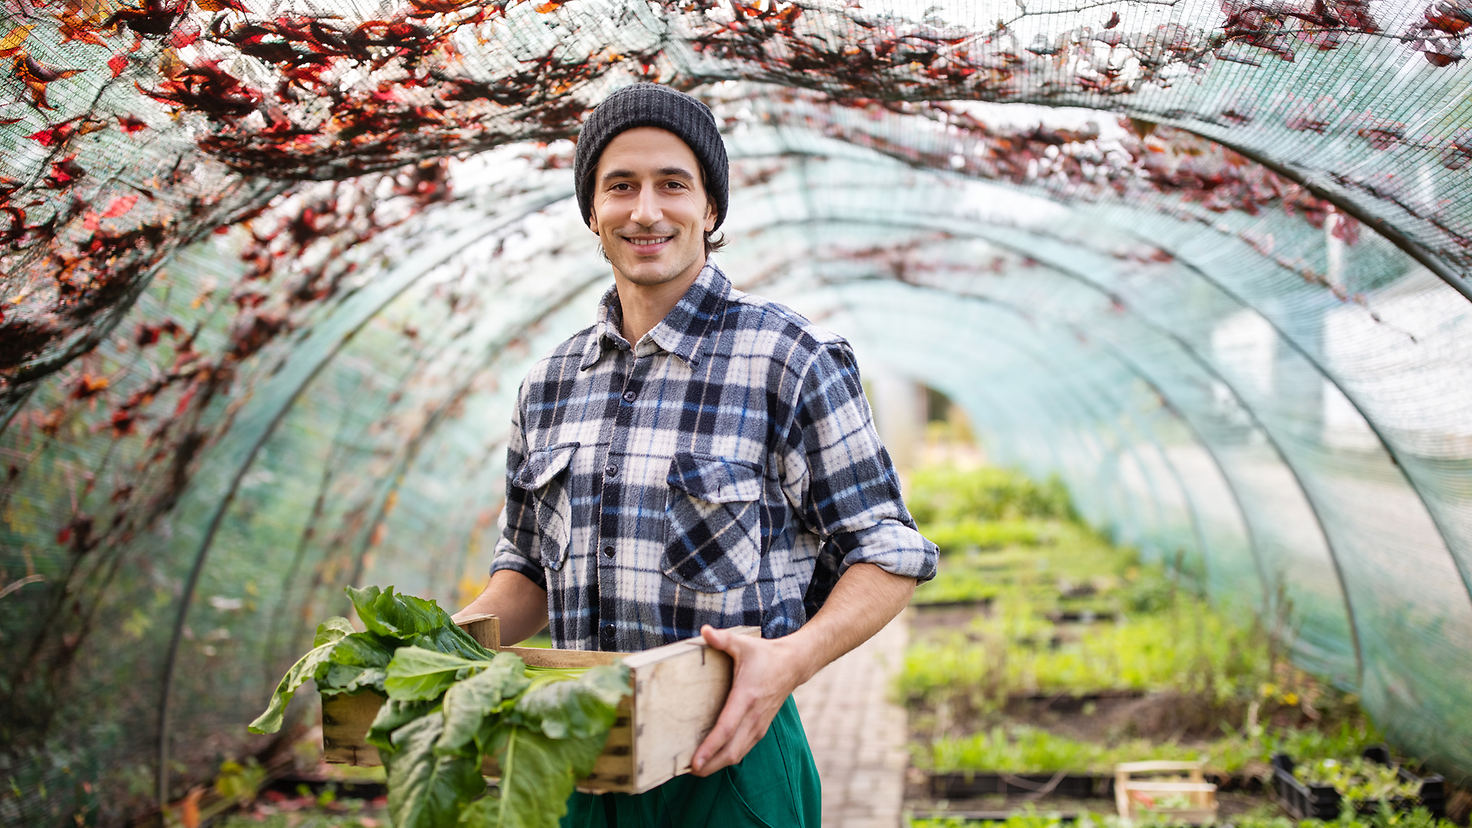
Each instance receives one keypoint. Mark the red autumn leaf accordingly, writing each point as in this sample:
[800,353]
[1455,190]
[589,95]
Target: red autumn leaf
[120,205]
[117,63]
[184,34]
[1113,21]
[122,422]
[131,123]
[64,535]
[65,173]
[90,222]
[50,135]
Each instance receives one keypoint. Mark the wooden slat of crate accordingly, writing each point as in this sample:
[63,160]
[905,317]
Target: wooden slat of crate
[1201,792]
[678,692]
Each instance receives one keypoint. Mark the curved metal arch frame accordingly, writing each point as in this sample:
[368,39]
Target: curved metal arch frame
[416,271]
[1204,364]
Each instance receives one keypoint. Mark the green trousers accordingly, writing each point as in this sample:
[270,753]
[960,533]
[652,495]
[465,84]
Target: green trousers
[775,786]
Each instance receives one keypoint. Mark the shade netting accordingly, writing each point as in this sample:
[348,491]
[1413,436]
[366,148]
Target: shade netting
[273,270]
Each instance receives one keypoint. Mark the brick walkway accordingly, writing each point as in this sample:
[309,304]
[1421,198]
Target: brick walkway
[858,737]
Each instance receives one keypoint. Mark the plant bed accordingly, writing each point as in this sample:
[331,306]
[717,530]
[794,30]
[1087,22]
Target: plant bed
[972,784]
[979,604]
[1083,616]
[960,784]
[1309,800]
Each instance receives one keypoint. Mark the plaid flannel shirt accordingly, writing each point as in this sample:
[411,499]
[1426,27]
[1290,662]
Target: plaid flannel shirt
[724,470]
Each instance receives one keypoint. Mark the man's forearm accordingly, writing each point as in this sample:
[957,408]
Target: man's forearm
[516,600]
[864,600]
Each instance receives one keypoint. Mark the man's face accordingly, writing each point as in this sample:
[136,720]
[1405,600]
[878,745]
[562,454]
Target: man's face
[650,208]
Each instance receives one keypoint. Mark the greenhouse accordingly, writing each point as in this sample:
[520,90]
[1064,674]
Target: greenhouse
[1164,305]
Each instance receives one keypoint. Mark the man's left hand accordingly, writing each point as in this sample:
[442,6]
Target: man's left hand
[766,673]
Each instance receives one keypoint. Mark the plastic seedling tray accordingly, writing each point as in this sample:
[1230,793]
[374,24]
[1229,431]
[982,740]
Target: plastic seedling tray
[1310,801]
[678,692]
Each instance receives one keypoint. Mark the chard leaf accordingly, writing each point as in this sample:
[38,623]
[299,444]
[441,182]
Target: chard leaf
[537,776]
[425,790]
[393,715]
[344,679]
[329,634]
[469,702]
[333,629]
[452,640]
[360,660]
[397,616]
[574,708]
[417,673]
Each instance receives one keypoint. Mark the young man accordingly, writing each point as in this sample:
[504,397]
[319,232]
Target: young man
[699,459]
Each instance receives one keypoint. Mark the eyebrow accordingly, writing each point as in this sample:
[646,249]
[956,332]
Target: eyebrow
[679,172]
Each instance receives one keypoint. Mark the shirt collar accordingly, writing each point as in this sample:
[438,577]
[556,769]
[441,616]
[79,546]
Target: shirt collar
[681,332]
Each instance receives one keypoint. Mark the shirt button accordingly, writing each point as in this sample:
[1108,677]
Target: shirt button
[611,471]
[607,632]
[630,396]
[608,551]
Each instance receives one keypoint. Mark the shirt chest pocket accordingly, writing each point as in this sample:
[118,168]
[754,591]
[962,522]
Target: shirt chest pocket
[713,531]
[544,475]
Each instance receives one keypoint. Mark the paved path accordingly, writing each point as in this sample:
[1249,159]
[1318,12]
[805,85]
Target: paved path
[858,737]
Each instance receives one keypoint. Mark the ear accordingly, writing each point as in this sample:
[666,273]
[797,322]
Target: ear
[593,220]
[710,215]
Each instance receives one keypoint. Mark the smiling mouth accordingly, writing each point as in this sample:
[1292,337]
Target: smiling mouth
[649,242]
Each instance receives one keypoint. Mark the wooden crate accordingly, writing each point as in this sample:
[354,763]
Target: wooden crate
[1132,795]
[678,692]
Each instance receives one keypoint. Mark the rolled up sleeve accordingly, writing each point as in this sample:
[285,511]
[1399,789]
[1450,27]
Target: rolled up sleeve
[844,479]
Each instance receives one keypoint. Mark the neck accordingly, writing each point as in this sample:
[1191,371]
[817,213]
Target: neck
[645,305]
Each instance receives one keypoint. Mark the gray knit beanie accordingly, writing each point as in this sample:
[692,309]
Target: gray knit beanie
[652,105]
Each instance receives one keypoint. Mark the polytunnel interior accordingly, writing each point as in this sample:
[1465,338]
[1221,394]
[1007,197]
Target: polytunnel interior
[272,276]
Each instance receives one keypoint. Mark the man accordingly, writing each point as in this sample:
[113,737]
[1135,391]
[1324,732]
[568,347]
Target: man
[699,459]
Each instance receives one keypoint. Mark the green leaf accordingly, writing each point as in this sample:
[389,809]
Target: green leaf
[417,673]
[537,776]
[333,629]
[577,707]
[397,616]
[393,715]
[451,640]
[469,702]
[360,660]
[426,790]
[341,678]
[329,634]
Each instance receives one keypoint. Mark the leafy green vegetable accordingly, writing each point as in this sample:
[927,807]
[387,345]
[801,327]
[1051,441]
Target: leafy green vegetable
[468,703]
[427,789]
[573,708]
[394,714]
[413,620]
[538,775]
[357,663]
[417,673]
[451,703]
[329,633]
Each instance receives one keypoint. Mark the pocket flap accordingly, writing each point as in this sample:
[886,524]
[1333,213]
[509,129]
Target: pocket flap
[715,479]
[539,467]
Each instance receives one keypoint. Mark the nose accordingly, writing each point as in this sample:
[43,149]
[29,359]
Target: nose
[646,208]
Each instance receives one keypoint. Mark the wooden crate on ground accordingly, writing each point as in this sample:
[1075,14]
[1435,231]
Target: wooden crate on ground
[678,692]
[1149,793]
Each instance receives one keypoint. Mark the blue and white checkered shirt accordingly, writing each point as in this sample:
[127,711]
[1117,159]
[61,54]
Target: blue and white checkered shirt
[724,470]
